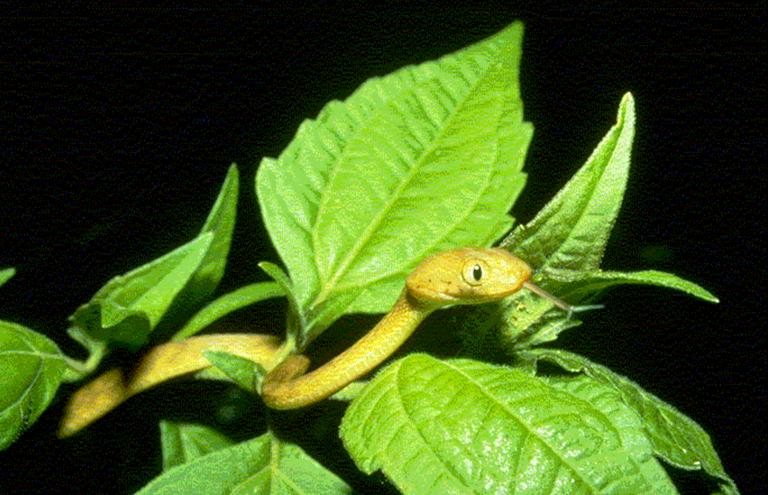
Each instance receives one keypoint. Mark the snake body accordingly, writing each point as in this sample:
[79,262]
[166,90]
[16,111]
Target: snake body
[459,276]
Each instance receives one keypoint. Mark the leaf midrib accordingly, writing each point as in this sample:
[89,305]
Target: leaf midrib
[362,240]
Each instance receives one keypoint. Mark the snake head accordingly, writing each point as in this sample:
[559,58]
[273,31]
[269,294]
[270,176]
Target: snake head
[467,276]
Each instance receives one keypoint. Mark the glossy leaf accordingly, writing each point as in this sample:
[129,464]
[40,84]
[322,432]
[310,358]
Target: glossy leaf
[264,465]
[226,304]
[398,171]
[461,426]
[185,442]
[31,369]
[129,306]
[675,437]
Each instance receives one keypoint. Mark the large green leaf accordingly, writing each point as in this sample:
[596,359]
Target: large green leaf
[421,160]
[675,437]
[600,280]
[264,465]
[185,442]
[460,426]
[31,369]
[129,306]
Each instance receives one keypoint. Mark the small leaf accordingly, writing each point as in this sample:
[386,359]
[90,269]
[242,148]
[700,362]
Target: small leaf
[220,224]
[222,306]
[246,373]
[675,437]
[462,426]
[129,306]
[6,274]
[600,280]
[31,369]
[185,442]
[398,171]
[569,234]
[264,465]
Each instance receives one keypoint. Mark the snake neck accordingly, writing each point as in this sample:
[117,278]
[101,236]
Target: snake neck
[287,387]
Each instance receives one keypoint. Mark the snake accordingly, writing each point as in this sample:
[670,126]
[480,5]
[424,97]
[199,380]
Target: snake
[455,277]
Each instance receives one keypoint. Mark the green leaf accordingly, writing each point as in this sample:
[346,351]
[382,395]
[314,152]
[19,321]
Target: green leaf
[222,306]
[675,437]
[296,323]
[569,234]
[31,369]
[185,442]
[129,306]
[600,280]
[221,224]
[6,274]
[244,372]
[463,426]
[431,153]
[264,465]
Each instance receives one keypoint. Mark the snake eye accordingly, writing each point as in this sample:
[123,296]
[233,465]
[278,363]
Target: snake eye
[473,272]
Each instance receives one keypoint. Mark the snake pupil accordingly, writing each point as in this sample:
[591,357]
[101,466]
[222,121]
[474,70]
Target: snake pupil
[477,273]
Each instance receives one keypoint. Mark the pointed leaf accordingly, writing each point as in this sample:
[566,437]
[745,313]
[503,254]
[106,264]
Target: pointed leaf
[593,282]
[228,303]
[31,369]
[221,224]
[675,437]
[569,234]
[6,274]
[185,442]
[264,465]
[463,426]
[424,159]
[129,306]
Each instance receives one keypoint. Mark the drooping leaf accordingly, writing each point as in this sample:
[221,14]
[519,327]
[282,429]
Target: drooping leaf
[675,437]
[31,369]
[418,161]
[262,466]
[222,306]
[461,426]
[129,306]
[6,274]
[185,442]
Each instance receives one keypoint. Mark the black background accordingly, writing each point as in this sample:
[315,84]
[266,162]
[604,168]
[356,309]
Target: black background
[117,127]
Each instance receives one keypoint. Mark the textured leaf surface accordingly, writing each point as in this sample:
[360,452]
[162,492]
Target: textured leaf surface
[185,442]
[222,306]
[263,465]
[401,169]
[675,437]
[31,369]
[244,372]
[129,306]
[569,235]
[6,274]
[460,426]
